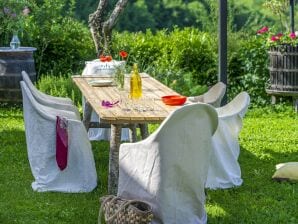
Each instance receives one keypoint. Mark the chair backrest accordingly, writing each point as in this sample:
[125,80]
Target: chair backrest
[47,100]
[238,105]
[42,97]
[36,93]
[215,94]
[40,130]
[183,143]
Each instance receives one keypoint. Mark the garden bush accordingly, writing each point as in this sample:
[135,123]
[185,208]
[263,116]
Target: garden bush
[248,68]
[61,86]
[187,60]
[184,59]
[63,43]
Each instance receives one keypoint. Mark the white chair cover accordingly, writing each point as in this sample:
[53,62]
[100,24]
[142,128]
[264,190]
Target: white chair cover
[101,68]
[40,128]
[41,95]
[213,96]
[48,100]
[224,170]
[168,169]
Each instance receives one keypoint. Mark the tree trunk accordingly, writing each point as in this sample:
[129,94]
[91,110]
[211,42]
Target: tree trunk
[101,30]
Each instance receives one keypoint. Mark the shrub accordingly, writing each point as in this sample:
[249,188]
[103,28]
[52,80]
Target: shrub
[60,86]
[248,69]
[63,44]
[184,59]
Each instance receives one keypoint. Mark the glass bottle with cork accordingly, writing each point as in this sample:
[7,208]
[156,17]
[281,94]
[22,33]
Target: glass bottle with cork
[135,83]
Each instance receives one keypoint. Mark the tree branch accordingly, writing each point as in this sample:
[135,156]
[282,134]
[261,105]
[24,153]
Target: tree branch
[101,30]
[111,22]
[96,23]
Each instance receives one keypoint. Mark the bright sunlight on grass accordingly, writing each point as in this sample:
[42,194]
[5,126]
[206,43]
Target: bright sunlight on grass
[267,138]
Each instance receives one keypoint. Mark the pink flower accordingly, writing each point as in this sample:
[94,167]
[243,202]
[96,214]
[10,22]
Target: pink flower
[279,35]
[274,38]
[263,30]
[292,35]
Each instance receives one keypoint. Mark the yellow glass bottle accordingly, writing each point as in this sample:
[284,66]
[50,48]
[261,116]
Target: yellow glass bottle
[135,83]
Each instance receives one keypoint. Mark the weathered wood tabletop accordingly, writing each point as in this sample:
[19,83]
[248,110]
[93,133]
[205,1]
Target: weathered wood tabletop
[149,109]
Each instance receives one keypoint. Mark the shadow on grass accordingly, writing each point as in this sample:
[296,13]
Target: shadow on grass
[259,199]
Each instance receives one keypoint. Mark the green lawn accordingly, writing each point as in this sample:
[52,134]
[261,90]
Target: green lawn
[269,136]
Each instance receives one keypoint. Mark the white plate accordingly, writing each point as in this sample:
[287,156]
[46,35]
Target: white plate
[100,82]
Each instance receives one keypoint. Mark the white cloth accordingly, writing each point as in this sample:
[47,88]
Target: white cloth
[99,68]
[213,96]
[40,128]
[224,170]
[50,101]
[43,96]
[168,169]
[96,67]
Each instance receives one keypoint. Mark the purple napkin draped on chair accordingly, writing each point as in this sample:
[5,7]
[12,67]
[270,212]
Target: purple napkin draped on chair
[61,142]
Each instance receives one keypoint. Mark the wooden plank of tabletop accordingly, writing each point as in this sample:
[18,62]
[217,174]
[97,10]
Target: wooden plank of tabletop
[152,91]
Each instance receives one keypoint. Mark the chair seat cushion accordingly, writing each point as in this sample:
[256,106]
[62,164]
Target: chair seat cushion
[286,171]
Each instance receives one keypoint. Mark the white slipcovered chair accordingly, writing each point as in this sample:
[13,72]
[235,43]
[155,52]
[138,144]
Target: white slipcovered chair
[60,103]
[40,129]
[224,170]
[213,96]
[99,68]
[168,169]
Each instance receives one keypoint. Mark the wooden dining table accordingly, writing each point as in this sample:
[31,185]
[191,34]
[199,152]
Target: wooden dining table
[116,110]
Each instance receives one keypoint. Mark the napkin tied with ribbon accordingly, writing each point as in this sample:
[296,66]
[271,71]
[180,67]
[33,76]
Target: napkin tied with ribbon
[61,142]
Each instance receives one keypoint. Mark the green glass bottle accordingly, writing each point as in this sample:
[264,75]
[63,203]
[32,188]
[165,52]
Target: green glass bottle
[135,83]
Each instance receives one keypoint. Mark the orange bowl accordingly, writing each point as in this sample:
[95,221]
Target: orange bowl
[173,100]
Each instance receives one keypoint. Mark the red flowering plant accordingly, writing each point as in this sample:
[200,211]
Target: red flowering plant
[108,58]
[273,37]
[277,38]
[119,67]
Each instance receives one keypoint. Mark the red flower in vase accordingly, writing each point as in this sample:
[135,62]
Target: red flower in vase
[123,54]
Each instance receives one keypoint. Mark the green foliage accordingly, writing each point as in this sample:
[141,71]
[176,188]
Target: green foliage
[269,136]
[155,15]
[63,44]
[13,14]
[279,8]
[184,59]
[140,15]
[62,86]
[248,69]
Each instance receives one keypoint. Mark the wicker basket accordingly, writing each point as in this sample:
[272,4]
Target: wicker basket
[283,68]
[121,211]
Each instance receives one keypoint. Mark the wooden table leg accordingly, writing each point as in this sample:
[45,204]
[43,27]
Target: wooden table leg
[87,115]
[132,133]
[144,130]
[114,158]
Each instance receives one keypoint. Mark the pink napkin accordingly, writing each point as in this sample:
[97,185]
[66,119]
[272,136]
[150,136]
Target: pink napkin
[61,142]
